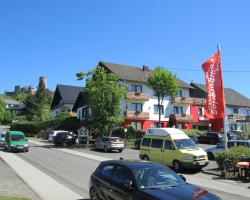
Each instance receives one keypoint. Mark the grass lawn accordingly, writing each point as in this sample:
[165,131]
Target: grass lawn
[12,198]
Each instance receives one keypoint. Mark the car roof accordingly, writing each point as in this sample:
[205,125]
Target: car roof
[16,132]
[134,164]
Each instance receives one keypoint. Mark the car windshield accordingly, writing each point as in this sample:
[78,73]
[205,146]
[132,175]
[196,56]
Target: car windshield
[153,178]
[185,144]
[17,137]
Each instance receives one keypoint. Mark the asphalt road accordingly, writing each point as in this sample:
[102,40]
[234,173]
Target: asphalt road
[74,172]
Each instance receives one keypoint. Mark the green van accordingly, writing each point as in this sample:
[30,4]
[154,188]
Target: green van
[172,147]
[16,141]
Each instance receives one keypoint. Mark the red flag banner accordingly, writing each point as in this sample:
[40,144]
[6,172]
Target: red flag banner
[215,88]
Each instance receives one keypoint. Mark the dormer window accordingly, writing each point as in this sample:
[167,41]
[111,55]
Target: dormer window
[136,88]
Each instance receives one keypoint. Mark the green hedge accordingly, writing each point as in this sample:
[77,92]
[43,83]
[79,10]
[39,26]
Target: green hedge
[32,128]
[193,132]
[235,154]
[130,134]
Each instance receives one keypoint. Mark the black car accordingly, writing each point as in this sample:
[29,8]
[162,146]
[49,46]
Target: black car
[137,143]
[64,139]
[211,138]
[128,179]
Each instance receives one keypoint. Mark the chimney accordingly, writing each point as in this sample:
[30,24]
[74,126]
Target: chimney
[145,68]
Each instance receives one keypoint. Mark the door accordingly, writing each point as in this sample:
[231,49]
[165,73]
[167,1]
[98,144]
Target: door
[169,153]
[156,150]
[119,190]
[106,175]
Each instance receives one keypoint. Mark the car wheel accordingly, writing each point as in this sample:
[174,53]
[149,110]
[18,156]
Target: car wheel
[145,158]
[106,149]
[176,166]
[64,144]
[120,150]
[210,156]
[94,194]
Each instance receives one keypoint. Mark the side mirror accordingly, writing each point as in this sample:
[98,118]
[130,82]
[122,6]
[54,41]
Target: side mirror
[182,177]
[129,185]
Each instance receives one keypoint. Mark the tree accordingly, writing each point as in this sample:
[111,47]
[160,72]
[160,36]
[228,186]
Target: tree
[2,110]
[105,95]
[38,105]
[164,84]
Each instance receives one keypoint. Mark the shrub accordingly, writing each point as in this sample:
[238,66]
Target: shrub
[32,128]
[235,154]
[193,132]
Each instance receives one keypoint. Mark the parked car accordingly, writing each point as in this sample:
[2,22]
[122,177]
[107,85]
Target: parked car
[2,138]
[194,138]
[52,134]
[16,141]
[64,139]
[211,138]
[109,144]
[137,143]
[172,147]
[211,152]
[127,179]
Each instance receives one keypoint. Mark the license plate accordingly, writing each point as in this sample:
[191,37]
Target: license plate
[20,147]
[201,163]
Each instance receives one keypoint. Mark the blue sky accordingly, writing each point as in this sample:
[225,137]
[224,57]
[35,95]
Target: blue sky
[57,38]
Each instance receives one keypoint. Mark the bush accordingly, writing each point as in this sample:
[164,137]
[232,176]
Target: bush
[32,128]
[193,132]
[235,154]
[130,134]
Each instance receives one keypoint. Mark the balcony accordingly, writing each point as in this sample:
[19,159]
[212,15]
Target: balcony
[189,101]
[203,119]
[138,96]
[183,118]
[237,117]
[136,115]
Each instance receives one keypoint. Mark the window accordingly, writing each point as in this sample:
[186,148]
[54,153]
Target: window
[154,93]
[156,143]
[179,126]
[178,110]
[121,174]
[179,93]
[146,142]
[235,111]
[107,171]
[137,125]
[156,109]
[168,145]
[136,107]
[136,88]
[200,112]
[248,112]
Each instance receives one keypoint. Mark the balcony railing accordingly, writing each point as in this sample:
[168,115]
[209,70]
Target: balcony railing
[189,101]
[237,117]
[183,118]
[136,115]
[138,96]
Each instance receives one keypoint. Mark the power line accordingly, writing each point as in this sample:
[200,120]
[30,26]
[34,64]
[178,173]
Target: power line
[199,70]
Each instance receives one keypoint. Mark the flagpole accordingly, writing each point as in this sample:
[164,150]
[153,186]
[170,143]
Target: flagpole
[225,118]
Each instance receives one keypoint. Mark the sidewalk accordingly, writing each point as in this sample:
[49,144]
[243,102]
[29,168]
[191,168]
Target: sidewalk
[12,185]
